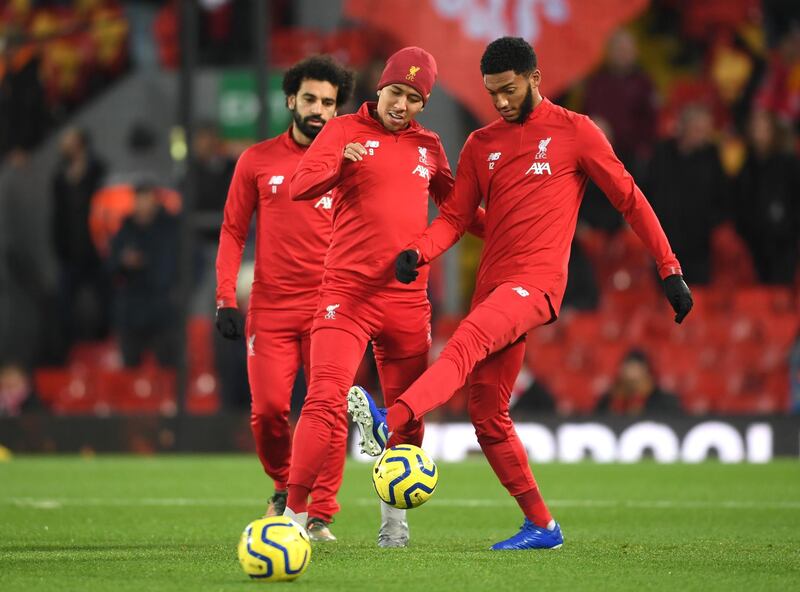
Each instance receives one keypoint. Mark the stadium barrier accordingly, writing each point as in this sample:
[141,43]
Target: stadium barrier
[547,439]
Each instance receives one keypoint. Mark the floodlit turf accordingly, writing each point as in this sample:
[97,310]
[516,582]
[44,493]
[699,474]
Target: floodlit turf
[172,523]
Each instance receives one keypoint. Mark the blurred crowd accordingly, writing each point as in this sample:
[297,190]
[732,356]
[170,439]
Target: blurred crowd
[701,101]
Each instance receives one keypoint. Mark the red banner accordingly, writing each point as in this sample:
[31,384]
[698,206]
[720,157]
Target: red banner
[569,36]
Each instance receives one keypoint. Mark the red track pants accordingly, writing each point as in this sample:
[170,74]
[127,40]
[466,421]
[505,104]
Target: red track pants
[488,347]
[277,343]
[398,324]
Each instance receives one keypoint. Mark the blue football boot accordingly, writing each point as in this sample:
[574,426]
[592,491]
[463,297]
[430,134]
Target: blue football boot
[531,536]
[370,419]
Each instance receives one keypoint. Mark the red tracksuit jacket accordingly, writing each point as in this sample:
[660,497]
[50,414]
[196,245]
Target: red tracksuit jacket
[532,176]
[291,238]
[382,201]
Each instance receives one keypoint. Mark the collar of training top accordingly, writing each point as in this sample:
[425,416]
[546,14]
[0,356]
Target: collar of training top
[538,111]
[291,143]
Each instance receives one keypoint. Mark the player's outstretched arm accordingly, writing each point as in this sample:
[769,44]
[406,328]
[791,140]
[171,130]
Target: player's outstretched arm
[321,166]
[457,212]
[598,160]
[239,207]
[442,186]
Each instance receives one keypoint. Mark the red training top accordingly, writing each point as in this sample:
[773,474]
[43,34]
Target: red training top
[291,238]
[532,176]
[381,201]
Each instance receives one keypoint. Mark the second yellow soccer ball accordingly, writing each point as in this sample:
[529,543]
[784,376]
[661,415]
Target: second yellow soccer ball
[405,477]
[275,549]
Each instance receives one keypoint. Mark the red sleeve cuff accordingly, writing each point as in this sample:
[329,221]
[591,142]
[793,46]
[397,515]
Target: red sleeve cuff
[668,270]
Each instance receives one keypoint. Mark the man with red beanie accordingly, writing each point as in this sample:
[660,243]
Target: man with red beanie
[291,241]
[384,165]
[531,167]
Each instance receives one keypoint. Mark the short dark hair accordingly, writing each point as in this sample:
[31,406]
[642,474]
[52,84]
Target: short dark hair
[320,67]
[508,53]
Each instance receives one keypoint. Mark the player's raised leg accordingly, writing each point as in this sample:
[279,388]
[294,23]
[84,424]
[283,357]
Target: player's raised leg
[506,314]
[489,395]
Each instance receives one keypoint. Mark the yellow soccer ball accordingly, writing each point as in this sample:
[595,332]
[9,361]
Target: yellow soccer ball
[274,549]
[404,476]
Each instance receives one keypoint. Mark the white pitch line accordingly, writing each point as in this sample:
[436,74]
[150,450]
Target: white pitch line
[56,503]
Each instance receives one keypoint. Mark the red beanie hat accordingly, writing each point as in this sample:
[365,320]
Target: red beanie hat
[412,66]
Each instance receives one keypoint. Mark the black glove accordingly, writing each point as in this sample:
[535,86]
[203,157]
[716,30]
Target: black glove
[405,267]
[679,296]
[230,323]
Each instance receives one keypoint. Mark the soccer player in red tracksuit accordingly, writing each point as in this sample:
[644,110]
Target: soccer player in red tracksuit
[531,166]
[384,166]
[291,241]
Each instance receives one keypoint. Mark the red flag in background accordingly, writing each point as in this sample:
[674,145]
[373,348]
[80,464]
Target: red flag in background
[569,36]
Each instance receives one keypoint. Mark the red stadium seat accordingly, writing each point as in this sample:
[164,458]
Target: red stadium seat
[140,390]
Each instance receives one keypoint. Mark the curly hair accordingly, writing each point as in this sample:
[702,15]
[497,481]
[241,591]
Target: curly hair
[320,67]
[508,53]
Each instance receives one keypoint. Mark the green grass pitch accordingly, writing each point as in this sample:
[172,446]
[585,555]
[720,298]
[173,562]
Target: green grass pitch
[171,523]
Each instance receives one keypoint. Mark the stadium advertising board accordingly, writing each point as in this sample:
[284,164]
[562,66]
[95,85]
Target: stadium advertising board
[729,441]
[547,439]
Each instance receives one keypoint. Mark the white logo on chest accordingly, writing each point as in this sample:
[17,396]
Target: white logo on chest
[423,154]
[543,148]
[422,171]
[370,145]
[325,202]
[539,168]
[274,181]
[493,158]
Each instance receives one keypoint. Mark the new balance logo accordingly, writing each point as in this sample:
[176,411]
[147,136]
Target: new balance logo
[274,181]
[371,145]
[539,168]
[251,345]
[331,314]
[325,202]
[493,158]
[521,291]
[543,148]
[422,172]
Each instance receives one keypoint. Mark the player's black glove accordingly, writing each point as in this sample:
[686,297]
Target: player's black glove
[405,267]
[230,323]
[679,296]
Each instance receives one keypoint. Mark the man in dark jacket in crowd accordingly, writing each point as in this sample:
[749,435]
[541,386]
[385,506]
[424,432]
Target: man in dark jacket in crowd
[144,261]
[685,184]
[78,176]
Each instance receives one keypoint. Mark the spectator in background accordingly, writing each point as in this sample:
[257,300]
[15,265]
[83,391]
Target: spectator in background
[780,92]
[582,291]
[23,114]
[596,210]
[213,169]
[635,390]
[686,186]
[622,94]
[27,274]
[144,261]
[79,174]
[767,200]
[16,392]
